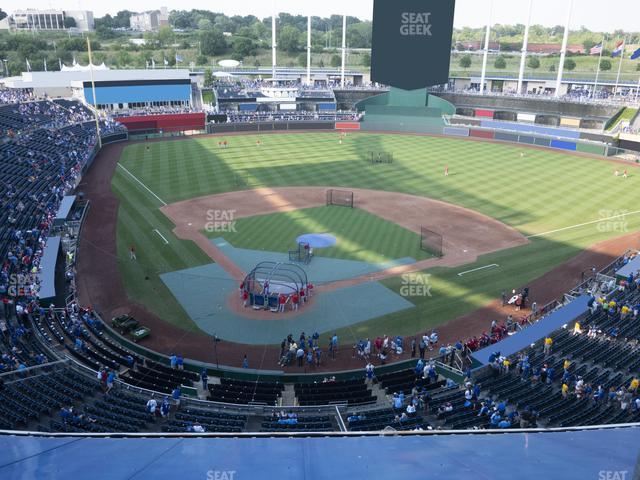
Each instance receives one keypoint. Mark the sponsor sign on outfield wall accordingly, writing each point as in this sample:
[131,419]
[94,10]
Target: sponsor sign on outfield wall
[411,46]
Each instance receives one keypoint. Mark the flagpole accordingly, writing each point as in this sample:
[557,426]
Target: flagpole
[273,45]
[309,50]
[344,49]
[624,44]
[563,51]
[93,91]
[595,85]
[486,50]
[524,49]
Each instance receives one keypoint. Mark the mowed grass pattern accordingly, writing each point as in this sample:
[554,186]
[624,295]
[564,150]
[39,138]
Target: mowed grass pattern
[360,235]
[542,191]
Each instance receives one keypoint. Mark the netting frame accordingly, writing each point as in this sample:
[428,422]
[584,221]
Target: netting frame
[431,241]
[380,158]
[342,198]
[242,179]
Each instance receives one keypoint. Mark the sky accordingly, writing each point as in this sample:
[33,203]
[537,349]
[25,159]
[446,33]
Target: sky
[596,15]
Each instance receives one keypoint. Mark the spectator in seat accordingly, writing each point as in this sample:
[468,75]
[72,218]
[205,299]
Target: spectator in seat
[176,394]
[204,378]
[152,405]
[165,407]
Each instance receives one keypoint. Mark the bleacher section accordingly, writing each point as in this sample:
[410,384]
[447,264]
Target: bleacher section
[352,392]
[243,392]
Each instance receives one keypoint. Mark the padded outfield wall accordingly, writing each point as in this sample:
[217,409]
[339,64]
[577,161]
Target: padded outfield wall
[168,123]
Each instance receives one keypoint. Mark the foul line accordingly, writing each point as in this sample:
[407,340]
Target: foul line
[142,184]
[479,268]
[583,224]
[161,236]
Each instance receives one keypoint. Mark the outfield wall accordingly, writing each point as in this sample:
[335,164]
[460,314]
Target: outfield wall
[537,139]
[524,104]
[169,122]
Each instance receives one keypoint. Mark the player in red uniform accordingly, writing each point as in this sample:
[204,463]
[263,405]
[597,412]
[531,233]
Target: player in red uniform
[245,298]
[282,300]
[295,300]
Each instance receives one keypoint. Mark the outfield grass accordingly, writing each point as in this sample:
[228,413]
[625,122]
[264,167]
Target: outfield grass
[544,191]
[360,235]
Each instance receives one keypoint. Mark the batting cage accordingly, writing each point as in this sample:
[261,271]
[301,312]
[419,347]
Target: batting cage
[302,254]
[269,281]
[378,158]
[343,198]
[430,241]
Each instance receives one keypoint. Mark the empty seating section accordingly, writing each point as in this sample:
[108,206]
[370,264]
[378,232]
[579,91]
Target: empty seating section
[153,376]
[212,421]
[244,392]
[353,392]
[300,423]
[405,380]
[26,399]
[379,419]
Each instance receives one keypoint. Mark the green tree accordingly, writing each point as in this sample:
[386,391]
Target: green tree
[302,60]
[465,61]
[212,42]
[204,24]
[552,68]
[321,63]
[124,58]
[289,39]
[336,61]
[165,36]
[533,63]
[208,76]
[500,62]
[605,64]
[366,60]
[569,64]
[69,22]
[244,47]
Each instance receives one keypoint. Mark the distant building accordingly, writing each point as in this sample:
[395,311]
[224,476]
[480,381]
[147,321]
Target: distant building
[149,21]
[48,20]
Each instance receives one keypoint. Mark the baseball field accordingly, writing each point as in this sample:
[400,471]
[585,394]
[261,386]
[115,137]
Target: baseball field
[558,205]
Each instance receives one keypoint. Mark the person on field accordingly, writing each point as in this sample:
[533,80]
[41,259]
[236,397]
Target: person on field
[282,300]
[446,170]
[132,252]
[245,298]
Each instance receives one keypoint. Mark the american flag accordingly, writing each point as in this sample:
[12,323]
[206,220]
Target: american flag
[596,49]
